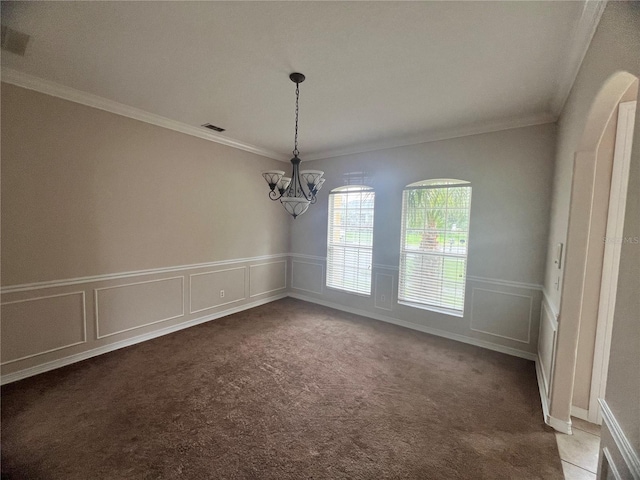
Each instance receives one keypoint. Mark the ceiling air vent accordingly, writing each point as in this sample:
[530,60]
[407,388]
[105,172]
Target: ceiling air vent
[14,41]
[213,127]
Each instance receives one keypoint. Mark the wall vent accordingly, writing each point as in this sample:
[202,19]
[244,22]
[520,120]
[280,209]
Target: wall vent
[213,127]
[14,41]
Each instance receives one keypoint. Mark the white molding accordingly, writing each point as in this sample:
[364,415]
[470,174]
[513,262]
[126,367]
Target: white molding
[308,257]
[557,424]
[629,455]
[506,283]
[612,253]
[375,287]
[541,387]
[45,367]
[244,284]
[48,87]
[528,340]
[611,466]
[581,413]
[437,135]
[293,262]
[545,380]
[31,82]
[421,328]
[135,273]
[580,41]
[552,308]
[268,291]
[84,324]
[474,278]
[96,308]
[553,321]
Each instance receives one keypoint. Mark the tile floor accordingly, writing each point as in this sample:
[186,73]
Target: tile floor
[579,452]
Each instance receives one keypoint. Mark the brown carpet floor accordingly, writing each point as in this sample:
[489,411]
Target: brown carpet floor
[289,390]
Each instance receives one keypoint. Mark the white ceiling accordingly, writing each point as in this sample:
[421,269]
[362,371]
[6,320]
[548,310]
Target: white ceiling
[378,73]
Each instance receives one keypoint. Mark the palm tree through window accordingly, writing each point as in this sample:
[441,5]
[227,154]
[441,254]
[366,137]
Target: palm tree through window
[435,241]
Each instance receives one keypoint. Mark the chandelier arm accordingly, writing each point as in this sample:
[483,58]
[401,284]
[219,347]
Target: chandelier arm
[273,195]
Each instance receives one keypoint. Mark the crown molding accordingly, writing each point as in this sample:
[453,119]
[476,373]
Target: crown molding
[585,29]
[438,135]
[31,82]
[48,87]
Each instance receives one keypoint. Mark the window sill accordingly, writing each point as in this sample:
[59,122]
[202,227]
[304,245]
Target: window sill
[444,311]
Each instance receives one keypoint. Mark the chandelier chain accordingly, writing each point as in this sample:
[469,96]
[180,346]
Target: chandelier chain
[295,148]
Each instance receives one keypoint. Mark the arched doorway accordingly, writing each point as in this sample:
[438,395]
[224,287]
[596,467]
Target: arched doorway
[586,309]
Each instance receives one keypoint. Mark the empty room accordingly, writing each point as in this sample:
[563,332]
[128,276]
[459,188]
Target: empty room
[320,240]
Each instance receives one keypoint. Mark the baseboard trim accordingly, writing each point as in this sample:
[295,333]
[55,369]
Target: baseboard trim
[541,388]
[62,362]
[628,453]
[421,328]
[559,425]
[555,423]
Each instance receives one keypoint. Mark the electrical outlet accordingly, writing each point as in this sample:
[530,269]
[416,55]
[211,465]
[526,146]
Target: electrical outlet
[383,298]
[221,293]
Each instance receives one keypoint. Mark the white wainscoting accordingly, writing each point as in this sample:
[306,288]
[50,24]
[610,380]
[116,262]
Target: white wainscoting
[42,324]
[121,308]
[501,314]
[127,308]
[498,312]
[215,289]
[545,363]
[307,276]
[383,291]
[268,277]
[547,343]
[50,324]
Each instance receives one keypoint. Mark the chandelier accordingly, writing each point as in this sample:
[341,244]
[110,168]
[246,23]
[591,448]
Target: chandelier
[299,191]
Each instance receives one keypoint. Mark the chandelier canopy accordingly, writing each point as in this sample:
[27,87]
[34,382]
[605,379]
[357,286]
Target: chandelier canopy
[299,191]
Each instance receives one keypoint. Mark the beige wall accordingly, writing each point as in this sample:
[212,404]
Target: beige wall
[615,47]
[510,172]
[87,193]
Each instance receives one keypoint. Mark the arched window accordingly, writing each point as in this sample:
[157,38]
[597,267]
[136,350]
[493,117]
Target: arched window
[434,244]
[350,239]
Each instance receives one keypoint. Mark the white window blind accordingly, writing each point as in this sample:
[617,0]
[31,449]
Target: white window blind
[350,239]
[434,244]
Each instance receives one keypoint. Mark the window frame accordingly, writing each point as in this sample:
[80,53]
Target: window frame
[331,244]
[440,183]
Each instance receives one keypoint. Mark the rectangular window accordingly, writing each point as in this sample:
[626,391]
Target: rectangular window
[435,240]
[350,239]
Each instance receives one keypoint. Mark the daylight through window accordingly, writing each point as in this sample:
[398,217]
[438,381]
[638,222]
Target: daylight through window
[434,244]
[350,239]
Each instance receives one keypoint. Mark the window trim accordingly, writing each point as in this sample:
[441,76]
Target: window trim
[424,185]
[345,190]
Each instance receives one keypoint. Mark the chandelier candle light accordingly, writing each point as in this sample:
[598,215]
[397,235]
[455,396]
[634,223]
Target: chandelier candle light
[299,191]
